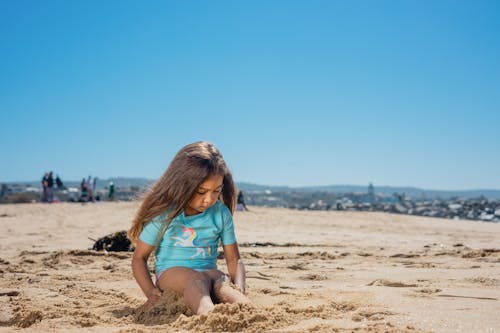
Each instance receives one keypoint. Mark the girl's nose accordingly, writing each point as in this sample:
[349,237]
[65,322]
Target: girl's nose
[207,198]
[210,197]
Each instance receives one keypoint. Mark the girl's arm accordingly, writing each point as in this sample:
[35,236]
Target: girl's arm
[232,255]
[141,272]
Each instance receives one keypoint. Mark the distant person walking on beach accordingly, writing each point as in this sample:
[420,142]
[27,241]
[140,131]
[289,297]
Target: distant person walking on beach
[45,184]
[182,218]
[240,204]
[83,191]
[50,187]
[111,193]
[90,188]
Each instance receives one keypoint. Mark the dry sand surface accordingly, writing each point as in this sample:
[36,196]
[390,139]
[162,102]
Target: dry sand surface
[306,272]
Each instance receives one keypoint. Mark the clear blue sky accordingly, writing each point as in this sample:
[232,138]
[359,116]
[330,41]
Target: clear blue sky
[401,93]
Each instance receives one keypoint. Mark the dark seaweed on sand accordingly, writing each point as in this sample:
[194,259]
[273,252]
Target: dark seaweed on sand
[115,242]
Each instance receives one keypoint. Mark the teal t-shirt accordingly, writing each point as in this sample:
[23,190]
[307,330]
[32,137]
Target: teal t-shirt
[191,241]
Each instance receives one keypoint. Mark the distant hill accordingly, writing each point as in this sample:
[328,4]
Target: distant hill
[385,190]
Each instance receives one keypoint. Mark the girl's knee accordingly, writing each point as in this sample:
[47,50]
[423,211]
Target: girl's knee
[179,278]
[225,292]
[197,293]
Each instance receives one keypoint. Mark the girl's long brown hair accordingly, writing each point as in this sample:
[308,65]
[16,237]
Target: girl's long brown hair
[189,168]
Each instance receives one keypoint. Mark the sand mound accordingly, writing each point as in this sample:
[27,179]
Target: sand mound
[170,307]
[251,318]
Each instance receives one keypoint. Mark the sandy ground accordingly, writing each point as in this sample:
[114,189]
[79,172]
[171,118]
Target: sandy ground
[306,272]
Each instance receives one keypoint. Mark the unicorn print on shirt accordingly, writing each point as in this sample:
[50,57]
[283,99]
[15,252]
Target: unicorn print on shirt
[190,239]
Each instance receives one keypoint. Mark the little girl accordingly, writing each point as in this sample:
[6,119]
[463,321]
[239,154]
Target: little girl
[182,218]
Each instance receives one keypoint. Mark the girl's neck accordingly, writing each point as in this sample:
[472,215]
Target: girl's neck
[188,211]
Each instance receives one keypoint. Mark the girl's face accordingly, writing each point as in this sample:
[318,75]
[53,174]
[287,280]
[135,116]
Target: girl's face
[205,196]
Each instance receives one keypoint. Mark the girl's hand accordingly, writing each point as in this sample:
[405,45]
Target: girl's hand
[153,297]
[240,276]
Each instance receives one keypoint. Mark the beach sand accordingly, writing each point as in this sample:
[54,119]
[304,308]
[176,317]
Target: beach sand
[306,272]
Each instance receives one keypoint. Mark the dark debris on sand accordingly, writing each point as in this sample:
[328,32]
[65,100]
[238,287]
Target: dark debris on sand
[115,242]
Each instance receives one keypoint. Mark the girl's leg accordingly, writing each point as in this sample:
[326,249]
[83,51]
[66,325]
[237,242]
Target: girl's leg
[194,285]
[223,290]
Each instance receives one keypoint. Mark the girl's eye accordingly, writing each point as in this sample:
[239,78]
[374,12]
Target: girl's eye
[205,192]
